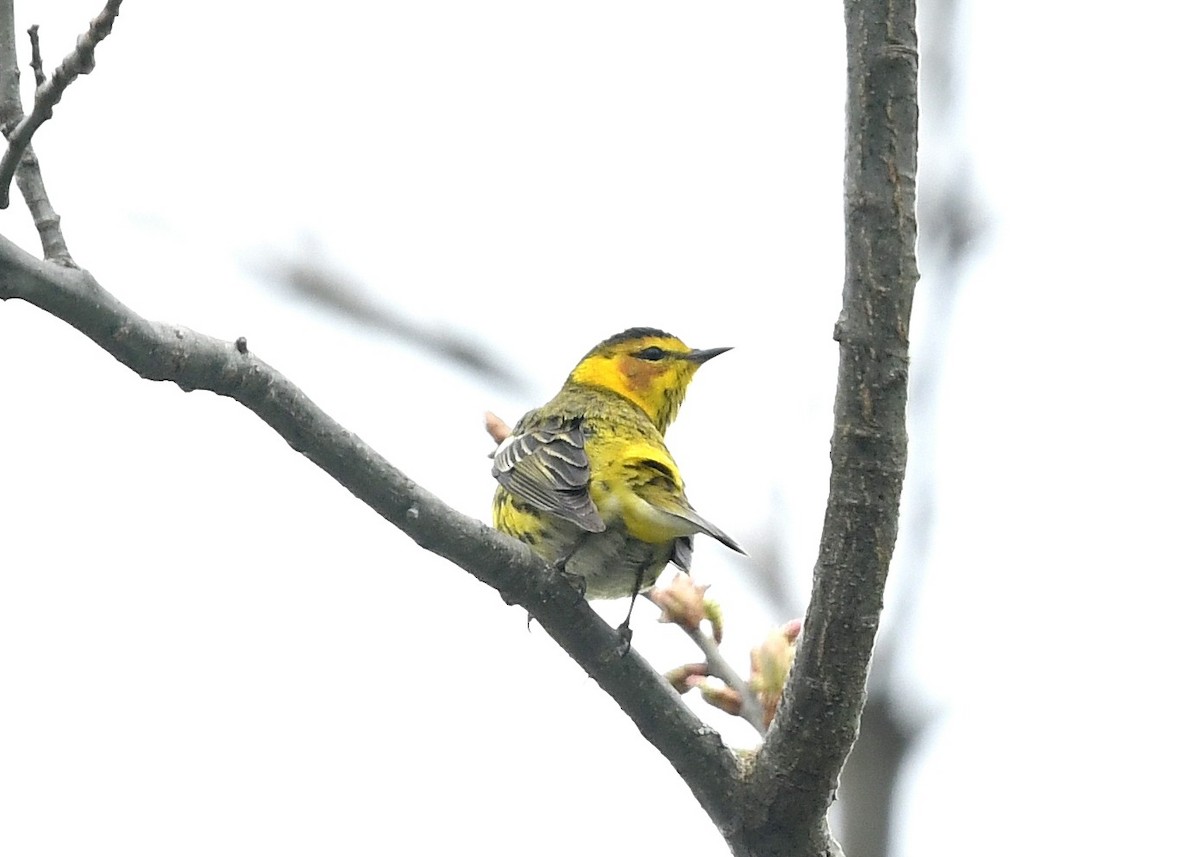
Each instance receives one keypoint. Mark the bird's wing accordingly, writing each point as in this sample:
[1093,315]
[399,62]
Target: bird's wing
[546,466]
[655,479]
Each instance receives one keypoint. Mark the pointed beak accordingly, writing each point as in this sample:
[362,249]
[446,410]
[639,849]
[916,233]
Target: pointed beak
[698,356]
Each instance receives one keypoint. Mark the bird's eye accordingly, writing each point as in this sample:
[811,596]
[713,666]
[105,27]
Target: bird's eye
[651,353]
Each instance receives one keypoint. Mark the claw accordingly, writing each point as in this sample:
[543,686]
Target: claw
[626,635]
[577,581]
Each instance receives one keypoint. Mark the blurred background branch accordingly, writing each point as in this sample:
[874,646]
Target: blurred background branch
[311,281]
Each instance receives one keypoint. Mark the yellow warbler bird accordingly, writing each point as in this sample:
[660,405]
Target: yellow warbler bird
[586,480]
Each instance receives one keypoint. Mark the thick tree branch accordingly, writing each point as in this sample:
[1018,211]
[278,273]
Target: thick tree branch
[950,220]
[79,61]
[795,779]
[194,361]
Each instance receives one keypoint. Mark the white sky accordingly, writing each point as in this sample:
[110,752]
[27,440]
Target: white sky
[207,645]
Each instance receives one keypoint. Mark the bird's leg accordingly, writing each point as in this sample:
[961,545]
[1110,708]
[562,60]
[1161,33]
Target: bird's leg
[625,632]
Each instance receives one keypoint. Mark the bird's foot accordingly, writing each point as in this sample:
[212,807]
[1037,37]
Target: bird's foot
[577,581]
[626,635]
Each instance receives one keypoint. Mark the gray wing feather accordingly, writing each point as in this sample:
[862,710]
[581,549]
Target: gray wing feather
[546,466]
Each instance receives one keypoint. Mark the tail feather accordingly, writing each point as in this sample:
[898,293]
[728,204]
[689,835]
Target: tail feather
[687,513]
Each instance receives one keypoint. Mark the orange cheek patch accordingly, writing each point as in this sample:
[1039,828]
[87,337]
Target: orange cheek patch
[638,373]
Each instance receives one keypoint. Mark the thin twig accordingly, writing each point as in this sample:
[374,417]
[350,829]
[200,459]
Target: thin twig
[718,667]
[35,44]
[79,61]
[45,218]
[29,174]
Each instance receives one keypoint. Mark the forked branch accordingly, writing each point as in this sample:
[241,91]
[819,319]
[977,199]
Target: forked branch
[79,61]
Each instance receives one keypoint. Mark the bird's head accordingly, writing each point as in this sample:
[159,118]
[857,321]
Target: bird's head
[647,366]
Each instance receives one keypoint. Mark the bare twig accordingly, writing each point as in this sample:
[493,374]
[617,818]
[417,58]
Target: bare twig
[35,45]
[29,174]
[685,604]
[751,710]
[79,61]
[45,218]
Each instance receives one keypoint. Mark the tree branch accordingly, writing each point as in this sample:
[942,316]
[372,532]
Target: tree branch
[79,61]
[35,59]
[29,173]
[795,779]
[194,361]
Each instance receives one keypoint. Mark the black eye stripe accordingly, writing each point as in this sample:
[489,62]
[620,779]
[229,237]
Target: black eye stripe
[651,353]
